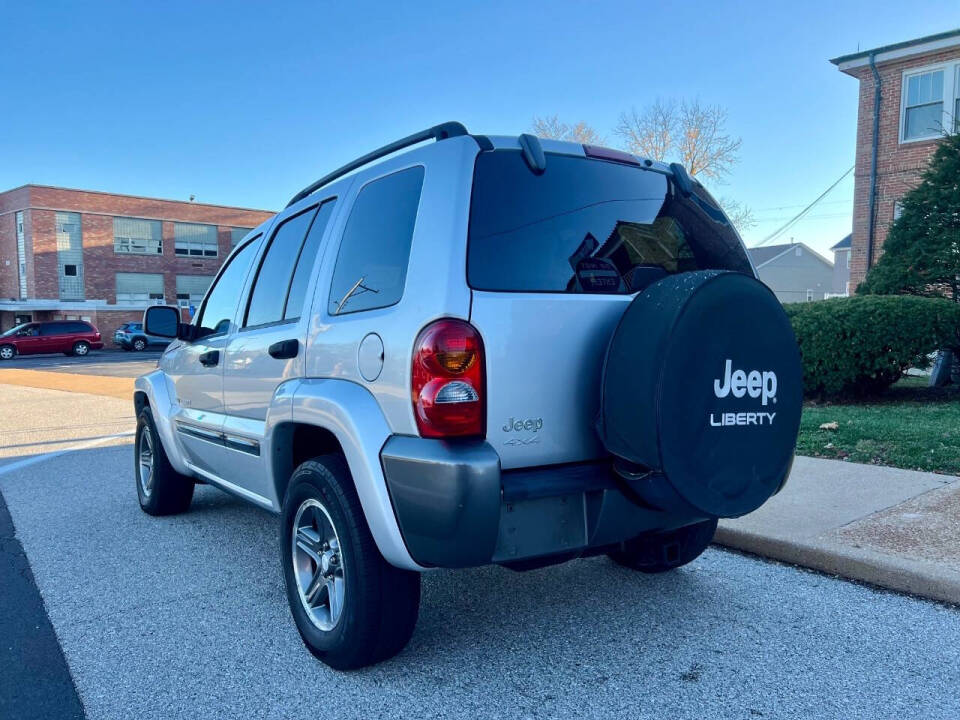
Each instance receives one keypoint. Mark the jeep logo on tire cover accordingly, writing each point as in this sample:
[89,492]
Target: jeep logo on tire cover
[738,383]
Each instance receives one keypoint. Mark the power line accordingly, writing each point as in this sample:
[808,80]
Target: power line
[790,223]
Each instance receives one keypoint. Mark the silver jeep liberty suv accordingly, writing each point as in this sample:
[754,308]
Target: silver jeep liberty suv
[481,350]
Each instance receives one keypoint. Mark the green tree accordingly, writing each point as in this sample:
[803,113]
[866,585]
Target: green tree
[921,255]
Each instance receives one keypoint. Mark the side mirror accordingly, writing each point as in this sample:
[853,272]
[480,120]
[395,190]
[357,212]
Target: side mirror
[162,321]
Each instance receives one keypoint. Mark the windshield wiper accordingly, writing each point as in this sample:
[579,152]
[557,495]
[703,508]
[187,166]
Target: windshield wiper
[358,285]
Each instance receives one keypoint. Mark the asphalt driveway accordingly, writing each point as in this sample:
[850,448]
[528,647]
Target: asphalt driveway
[110,363]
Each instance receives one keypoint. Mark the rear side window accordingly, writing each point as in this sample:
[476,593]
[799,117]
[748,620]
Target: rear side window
[588,226]
[371,267]
[308,253]
[280,285]
[78,327]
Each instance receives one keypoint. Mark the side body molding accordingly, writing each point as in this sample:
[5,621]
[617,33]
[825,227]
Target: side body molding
[351,413]
[158,391]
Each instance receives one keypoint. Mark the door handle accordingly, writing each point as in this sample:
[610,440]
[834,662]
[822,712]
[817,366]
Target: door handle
[210,358]
[284,350]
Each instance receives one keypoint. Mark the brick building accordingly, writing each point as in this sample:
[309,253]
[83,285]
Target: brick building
[909,96]
[80,254]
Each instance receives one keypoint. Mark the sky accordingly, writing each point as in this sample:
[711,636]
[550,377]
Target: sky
[244,103]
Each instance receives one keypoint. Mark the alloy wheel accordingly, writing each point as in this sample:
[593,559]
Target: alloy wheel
[145,460]
[318,564]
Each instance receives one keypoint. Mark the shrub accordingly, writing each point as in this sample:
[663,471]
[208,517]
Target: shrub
[861,345]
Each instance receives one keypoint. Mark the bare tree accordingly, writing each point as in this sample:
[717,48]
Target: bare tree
[552,127]
[740,215]
[688,132]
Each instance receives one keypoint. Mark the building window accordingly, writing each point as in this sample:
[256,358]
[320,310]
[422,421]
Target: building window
[809,295]
[70,255]
[136,236]
[238,234]
[141,288]
[930,104]
[195,240]
[191,289]
[897,210]
[21,256]
[956,101]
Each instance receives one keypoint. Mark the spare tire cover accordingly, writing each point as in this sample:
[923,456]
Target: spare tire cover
[703,383]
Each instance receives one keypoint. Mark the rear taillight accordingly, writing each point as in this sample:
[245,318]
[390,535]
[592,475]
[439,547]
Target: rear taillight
[449,397]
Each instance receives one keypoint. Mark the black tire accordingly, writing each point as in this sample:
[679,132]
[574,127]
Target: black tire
[663,551]
[167,492]
[80,348]
[380,603]
[139,344]
[8,352]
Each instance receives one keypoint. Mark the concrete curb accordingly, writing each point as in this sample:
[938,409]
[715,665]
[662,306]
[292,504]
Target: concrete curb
[917,577]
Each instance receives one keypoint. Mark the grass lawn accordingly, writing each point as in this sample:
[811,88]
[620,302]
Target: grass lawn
[910,426]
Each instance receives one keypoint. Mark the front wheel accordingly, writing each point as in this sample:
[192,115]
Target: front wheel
[80,348]
[351,607]
[160,489]
[139,344]
[662,551]
[7,352]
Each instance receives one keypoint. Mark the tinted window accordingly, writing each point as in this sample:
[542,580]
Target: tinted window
[308,253]
[78,327]
[278,269]
[588,226]
[54,328]
[221,302]
[372,264]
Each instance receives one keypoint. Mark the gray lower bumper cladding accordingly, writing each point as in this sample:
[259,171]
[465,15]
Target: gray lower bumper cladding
[456,508]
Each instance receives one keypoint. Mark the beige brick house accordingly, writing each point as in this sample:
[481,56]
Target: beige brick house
[909,97]
[102,257]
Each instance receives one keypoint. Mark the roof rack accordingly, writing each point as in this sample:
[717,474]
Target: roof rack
[437,132]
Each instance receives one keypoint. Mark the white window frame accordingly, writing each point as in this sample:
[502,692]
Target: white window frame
[144,298]
[192,248]
[124,245]
[192,298]
[951,91]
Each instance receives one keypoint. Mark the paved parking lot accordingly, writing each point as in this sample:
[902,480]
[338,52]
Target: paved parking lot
[112,363]
[186,617]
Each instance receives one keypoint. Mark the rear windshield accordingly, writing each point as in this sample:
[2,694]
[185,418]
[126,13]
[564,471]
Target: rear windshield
[589,226]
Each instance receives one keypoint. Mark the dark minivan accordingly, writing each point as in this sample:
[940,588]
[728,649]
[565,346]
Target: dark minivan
[71,337]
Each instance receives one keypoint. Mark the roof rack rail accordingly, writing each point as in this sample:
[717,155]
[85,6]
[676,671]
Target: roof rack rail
[437,132]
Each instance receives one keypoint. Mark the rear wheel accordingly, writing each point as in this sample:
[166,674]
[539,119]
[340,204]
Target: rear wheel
[662,551]
[7,352]
[139,344]
[160,489]
[351,607]
[80,348]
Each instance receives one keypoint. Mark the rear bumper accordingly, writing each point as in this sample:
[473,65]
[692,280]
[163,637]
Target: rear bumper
[456,508]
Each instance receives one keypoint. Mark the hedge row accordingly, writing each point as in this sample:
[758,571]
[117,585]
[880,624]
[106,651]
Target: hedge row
[861,345]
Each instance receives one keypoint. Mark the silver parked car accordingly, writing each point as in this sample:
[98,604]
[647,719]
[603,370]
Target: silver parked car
[131,336]
[481,350]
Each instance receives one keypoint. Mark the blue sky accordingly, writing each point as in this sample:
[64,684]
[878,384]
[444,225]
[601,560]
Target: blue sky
[243,104]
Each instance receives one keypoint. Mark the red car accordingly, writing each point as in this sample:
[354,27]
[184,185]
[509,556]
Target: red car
[71,337]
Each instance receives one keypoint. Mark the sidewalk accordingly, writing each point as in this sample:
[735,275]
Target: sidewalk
[894,528]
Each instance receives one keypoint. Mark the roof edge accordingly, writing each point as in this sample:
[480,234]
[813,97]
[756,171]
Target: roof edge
[895,51]
[138,197]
